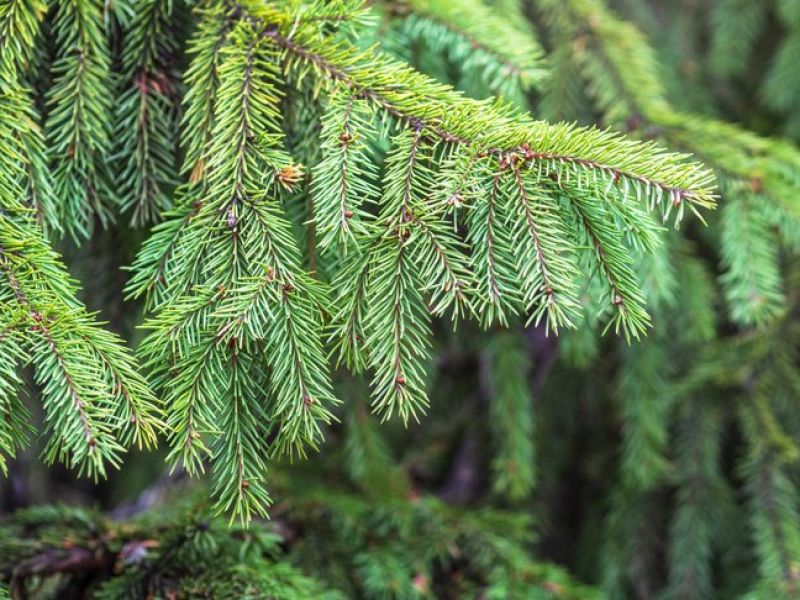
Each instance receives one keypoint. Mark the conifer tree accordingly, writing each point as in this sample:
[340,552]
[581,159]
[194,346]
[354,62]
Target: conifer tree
[361,242]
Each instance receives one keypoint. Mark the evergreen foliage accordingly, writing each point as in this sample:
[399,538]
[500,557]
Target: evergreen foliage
[225,269]
[354,213]
[754,243]
[184,551]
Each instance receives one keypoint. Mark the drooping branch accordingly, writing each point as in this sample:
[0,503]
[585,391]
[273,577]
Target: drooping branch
[444,117]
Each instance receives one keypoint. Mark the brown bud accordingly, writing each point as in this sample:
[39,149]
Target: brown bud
[526,151]
[618,300]
[455,200]
[348,214]
[289,176]
[245,484]
[400,380]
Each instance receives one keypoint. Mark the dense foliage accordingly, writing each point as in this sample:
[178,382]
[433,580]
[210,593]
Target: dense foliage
[508,341]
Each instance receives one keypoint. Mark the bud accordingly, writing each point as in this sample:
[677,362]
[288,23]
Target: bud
[455,200]
[289,176]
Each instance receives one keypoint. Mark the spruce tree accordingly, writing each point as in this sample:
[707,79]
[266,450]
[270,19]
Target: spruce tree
[398,268]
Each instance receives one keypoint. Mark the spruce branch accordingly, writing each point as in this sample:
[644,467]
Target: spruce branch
[398,385]
[347,328]
[95,402]
[78,130]
[543,259]
[492,258]
[338,215]
[702,491]
[25,159]
[15,426]
[443,114]
[201,82]
[511,415]
[752,280]
[147,158]
[623,74]
[224,274]
[19,26]
[774,513]
[477,38]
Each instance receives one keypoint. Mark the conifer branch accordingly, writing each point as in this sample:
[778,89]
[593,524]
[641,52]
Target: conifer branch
[477,38]
[511,415]
[77,126]
[491,257]
[543,260]
[338,214]
[202,82]
[224,273]
[347,328]
[454,119]
[752,170]
[19,25]
[399,380]
[147,158]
